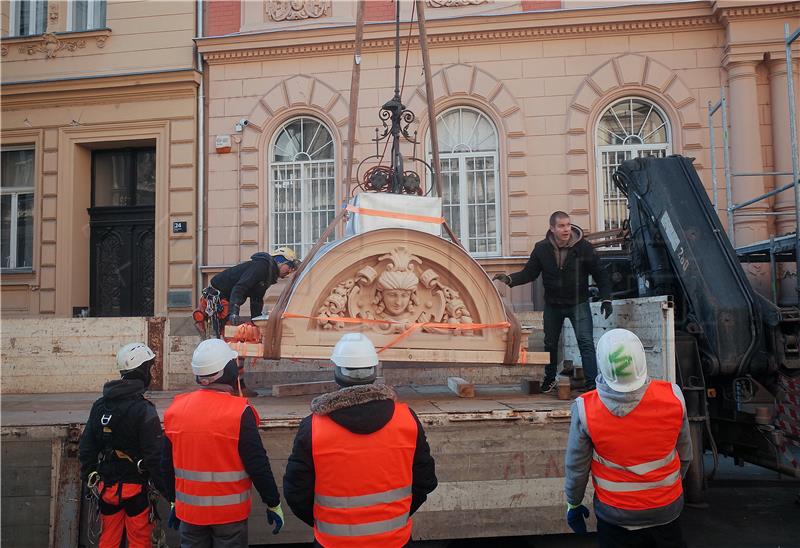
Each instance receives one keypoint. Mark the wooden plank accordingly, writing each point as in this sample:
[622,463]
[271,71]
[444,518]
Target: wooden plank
[460,387]
[303,388]
[248,350]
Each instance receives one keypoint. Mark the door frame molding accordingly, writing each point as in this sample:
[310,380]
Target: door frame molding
[68,210]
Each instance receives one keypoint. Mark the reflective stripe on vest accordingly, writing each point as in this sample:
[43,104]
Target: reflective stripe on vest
[364,529]
[212,500]
[394,495]
[363,482]
[635,465]
[211,484]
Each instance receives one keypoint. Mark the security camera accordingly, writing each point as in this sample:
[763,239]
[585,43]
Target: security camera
[241,124]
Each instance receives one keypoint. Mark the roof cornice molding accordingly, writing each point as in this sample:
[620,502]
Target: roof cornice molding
[758,11]
[256,47]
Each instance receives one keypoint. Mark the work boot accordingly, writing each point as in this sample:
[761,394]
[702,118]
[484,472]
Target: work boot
[588,387]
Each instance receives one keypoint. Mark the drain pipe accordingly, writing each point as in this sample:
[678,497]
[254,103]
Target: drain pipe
[201,155]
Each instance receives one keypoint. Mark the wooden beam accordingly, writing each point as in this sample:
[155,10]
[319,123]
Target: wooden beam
[426,67]
[355,84]
[303,388]
[460,387]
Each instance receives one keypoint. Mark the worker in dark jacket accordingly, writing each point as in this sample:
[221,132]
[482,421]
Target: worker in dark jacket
[360,465]
[213,455]
[565,260]
[120,449]
[250,280]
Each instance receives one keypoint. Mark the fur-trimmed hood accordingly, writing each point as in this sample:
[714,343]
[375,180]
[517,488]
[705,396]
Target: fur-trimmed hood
[361,409]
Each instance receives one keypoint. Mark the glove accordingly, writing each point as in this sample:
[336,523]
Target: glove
[233,319]
[606,308]
[173,522]
[275,514]
[503,277]
[576,516]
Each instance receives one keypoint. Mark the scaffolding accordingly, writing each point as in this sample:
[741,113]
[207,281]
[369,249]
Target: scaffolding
[780,249]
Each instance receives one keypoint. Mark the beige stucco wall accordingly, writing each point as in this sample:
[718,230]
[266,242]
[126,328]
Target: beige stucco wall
[543,79]
[131,84]
[142,36]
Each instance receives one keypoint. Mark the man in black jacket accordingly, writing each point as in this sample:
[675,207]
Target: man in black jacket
[357,442]
[250,280]
[565,260]
[120,449]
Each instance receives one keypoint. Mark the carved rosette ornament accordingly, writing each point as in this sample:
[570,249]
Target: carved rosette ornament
[293,10]
[50,44]
[3,51]
[397,288]
[454,3]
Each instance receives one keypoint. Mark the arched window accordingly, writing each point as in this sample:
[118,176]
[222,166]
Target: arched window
[302,183]
[629,128]
[468,149]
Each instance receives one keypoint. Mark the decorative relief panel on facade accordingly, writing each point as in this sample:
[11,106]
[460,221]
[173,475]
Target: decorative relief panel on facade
[399,288]
[52,9]
[454,3]
[293,10]
[50,45]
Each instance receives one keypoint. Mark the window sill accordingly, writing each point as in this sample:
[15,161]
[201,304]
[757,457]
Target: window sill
[51,43]
[16,271]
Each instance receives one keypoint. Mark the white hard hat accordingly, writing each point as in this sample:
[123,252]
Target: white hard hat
[354,351]
[211,356]
[621,360]
[132,355]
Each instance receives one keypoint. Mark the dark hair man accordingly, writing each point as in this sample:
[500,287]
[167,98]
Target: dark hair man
[565,260]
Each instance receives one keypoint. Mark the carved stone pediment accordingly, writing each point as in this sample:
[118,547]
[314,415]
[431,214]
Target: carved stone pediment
[418,297]
[398,287]
[293,10]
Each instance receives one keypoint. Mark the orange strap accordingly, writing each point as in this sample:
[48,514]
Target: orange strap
[247,332]
[410,329]
[523,355]
[393,215]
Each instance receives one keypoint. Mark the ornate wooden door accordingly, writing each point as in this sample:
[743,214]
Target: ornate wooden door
[122,261]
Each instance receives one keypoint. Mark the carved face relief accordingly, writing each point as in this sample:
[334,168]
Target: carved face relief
[396,301]
[396,287]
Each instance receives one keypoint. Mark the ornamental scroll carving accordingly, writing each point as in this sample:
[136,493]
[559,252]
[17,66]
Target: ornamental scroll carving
[50,45]
[293,10]
[399,288]
[454,3]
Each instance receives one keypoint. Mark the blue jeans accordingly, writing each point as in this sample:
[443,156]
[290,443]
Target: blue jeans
[580,316]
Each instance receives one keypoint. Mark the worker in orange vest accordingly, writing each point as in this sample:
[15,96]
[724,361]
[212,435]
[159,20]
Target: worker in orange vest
[632,435]
[360,465]
[213,455]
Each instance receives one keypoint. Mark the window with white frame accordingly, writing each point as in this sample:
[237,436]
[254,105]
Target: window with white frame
[27,17]
[302,183]
[16,207]
[468,153]
[629,128]
[86,15]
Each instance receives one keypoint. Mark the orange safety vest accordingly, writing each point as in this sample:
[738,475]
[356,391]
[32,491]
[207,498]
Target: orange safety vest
[635,465]
[211,484]
[362,491]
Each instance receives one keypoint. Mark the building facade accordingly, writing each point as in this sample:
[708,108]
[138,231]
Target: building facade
[99,157]
[536,102]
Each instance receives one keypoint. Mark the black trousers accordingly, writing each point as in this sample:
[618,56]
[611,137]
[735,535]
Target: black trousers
[661,536]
